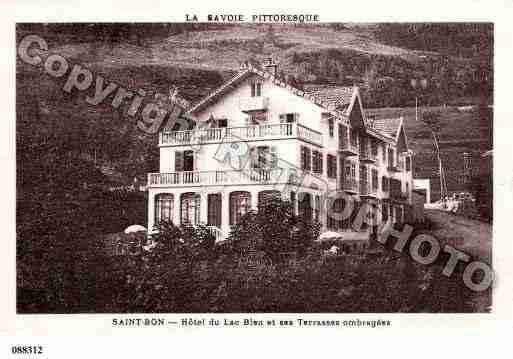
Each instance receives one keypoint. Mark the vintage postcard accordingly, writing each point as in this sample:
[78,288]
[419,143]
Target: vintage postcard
[266,170]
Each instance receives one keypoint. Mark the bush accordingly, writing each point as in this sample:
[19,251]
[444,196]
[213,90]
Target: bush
[189,241]
[274,229]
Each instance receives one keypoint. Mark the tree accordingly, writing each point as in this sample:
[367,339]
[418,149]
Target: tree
[274,229]
[432,119]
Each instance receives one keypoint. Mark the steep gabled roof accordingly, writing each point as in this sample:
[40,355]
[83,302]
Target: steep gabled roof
[221,90]
[331,98]
[392,128]
[335,97]
[388,126]
[337,100]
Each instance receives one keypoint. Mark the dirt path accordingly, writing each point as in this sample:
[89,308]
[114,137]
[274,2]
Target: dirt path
[470,236]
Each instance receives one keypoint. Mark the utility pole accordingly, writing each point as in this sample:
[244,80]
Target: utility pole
[467,170]
[420,85]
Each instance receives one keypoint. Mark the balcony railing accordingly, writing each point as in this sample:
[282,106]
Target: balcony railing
[250,104]
[235,134]
[350,185]
[399,196]
[348,148]
[366,190]
[242,177]
[392,167]
[368,156]
[396,166]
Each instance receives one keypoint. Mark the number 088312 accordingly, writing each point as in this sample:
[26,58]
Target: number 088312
[27,349]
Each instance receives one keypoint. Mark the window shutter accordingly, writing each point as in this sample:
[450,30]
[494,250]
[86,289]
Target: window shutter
[296,117]
[178,161]
[252,89]
[308,159]
[214,209]
[303,157]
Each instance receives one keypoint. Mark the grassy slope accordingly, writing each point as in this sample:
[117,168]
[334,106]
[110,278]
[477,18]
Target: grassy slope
[463,131]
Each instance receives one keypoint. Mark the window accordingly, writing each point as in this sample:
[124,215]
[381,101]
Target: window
[331,125]
[398,214]
[331,163]
[408,164]
[266,196]
[306,160]
[375,179]
[214,209]
[354,137]
[363,145]
[342,136]
[190,209]
[163,207]
[335,210]
[384,184]
[364,177]
[240,204]
[374,148]
[395,186]
[350,170]
[256,89]
[384,211]
[263,157]
[391,160]
[184,161]
[317,162]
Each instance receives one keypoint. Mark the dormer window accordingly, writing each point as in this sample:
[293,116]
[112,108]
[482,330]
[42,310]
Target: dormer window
[256,89]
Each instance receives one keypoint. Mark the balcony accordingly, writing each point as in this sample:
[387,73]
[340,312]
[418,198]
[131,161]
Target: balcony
[254,104]
[367,156]
[248,176]
[367,191]
[399,196]
[392,167]
[397,166]
[237,134]
[350,185]
[347,148]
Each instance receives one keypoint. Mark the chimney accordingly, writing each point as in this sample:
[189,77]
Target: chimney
[270,66]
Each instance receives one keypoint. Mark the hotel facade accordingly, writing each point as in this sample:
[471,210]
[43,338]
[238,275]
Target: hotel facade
[257,136]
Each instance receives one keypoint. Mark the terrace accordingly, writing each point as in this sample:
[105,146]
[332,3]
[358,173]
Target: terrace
[246,133]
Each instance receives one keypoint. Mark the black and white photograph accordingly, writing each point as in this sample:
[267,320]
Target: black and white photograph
[266,166]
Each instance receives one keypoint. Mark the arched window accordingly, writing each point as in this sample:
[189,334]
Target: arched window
[214,209]
[190,208]
[163,207]
[240,204]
